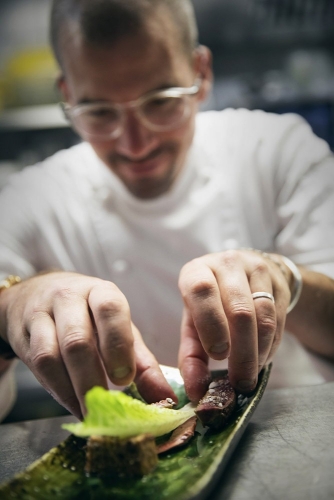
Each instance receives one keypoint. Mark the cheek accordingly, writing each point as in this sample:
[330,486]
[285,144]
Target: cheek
[183,136]
[103,149]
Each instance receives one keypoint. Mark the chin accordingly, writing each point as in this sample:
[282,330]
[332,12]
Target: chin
[147,190]
[150,187]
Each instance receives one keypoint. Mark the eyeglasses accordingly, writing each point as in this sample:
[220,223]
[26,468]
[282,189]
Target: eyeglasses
[160,110]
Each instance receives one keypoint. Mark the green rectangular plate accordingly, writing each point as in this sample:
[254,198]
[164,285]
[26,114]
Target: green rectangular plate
[187,473]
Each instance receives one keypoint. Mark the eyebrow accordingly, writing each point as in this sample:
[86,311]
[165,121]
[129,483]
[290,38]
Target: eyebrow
[87,100]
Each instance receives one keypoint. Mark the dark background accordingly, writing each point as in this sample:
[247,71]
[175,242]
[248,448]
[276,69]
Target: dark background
[276,55]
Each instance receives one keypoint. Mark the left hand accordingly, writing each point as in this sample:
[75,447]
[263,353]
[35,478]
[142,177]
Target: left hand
[222,320]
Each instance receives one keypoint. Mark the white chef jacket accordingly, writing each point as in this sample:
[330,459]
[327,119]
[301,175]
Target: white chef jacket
[251,179]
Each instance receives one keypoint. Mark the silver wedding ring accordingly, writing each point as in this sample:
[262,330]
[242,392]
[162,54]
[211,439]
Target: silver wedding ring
[265,295]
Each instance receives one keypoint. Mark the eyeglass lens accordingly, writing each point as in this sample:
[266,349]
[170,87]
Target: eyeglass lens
[156,112]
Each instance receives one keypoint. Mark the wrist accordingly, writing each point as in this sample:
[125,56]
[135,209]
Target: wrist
[296,284]
[6,352]
[290,272]
[292,275]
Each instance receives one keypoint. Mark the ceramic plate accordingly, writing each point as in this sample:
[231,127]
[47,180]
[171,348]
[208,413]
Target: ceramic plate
[188,473]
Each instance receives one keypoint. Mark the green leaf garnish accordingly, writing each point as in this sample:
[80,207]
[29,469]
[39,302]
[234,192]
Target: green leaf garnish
[113,413]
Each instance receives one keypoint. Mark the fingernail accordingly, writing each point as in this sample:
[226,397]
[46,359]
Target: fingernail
[219,348]
[246,385]
[121,372]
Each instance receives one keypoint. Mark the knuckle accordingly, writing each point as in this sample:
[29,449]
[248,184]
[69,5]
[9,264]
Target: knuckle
[63,293]
[241,313]
[111,307]
[74,341]
[261,267]
[109,285]
[110,289]
[38,313]
[267,325]
[187,273]
[34,310]
[229,257]
[42,359]
[189,266]
[202,288]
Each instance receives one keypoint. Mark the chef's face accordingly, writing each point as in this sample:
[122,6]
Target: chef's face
[146,160]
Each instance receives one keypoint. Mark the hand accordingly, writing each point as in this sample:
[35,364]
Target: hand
[75,332]
[222,320]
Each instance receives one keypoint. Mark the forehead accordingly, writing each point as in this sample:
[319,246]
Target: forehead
[130,67]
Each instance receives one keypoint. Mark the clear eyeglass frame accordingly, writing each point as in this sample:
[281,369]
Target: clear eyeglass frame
[76,114]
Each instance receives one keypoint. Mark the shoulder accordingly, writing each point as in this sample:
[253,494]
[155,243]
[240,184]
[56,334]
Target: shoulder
[247,123]
[65,162]
[55,171]
[266,137]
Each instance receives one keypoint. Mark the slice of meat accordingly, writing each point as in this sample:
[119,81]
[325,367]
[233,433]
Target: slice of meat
[217,404]
[180,436]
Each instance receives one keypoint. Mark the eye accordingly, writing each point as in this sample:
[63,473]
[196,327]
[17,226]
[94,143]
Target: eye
[102,113]
[162,106]
[160,102]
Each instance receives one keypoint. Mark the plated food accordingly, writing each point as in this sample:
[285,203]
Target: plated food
[183,473]
[121,430]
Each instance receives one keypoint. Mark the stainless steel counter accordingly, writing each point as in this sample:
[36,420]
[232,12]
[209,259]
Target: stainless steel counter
[286,452]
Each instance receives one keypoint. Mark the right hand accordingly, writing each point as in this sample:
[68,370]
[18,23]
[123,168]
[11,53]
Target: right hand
[75,332]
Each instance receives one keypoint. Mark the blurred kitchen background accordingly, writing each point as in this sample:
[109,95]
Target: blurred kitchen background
[275,55]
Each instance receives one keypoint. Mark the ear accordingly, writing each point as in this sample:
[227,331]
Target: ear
[203,69]
[62,87]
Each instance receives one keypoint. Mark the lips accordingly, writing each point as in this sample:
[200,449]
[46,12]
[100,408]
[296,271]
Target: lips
[149,166]
[143,167]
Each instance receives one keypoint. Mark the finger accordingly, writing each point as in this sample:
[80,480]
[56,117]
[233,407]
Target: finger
[45,361]
[202,298]
[150,380]
[265,309]
[77,343]
[240,312]
[111,314]
[193,361]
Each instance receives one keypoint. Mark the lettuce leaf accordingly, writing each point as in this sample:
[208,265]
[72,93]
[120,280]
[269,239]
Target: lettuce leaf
[113,413]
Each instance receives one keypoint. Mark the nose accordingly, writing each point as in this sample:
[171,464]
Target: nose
[135,140]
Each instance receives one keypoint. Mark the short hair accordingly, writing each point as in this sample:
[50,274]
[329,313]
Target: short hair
[103,22]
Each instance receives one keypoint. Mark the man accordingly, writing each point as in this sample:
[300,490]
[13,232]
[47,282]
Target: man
[158,197]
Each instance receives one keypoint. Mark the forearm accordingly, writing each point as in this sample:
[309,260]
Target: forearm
[4,362]
[6,352]
[312,320]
